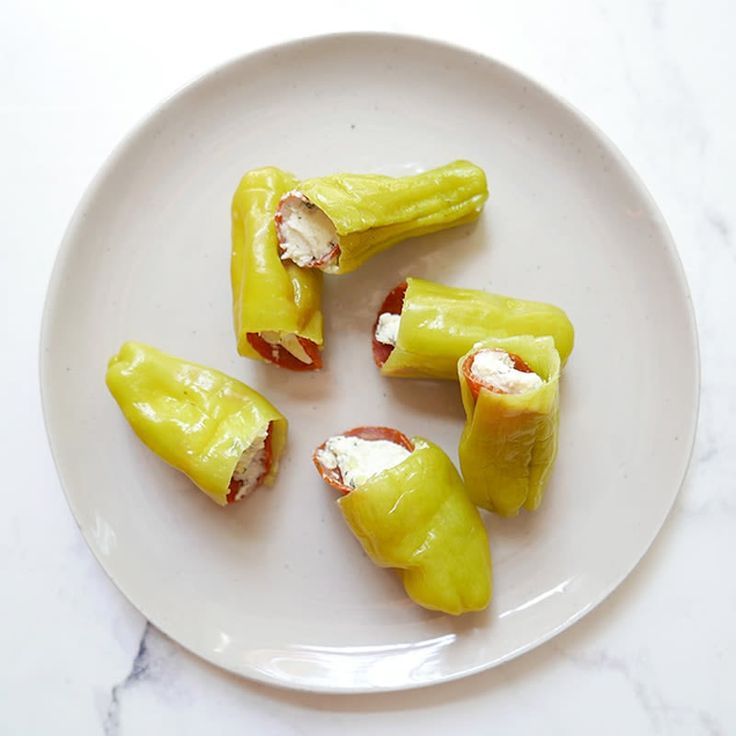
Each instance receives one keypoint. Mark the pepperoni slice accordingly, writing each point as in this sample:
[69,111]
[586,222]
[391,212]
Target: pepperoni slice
[333,476]
[392,304]
[475,385]
[280,356]
[236,485]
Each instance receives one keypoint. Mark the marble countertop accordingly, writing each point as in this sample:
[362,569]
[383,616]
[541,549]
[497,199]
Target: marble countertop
[656,657]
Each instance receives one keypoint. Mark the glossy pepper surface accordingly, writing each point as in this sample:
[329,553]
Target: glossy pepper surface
[509,443]
[270,295]
[196,419]
[440,323]
[372,212]
[417,517]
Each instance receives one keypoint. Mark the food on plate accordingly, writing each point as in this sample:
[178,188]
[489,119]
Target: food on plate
[422,327]
[510,391]
[336,223]
[406,504]
[224,435]
[276,305]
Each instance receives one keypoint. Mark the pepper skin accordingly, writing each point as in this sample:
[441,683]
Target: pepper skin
[417,517]
[509,443]
[440,323]
[195,418]
[372,212]
[270,295]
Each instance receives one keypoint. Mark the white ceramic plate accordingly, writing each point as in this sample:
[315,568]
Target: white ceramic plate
[276,588]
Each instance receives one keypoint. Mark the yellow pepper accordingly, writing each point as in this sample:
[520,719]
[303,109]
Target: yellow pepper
[197,419]
[509,443]
[417,517]
[440,323]
[276,305]
[360,215]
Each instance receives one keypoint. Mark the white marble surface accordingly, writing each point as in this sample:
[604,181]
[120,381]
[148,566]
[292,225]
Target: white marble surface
[658,657]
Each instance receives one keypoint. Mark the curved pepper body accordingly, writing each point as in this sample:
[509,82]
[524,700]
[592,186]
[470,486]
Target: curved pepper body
[195,418]
[372,212]
[417,517]
[440,323]
[509,443]
[269,295]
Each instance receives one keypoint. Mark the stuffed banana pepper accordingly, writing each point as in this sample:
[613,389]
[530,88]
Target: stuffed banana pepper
[510,391]
[336,223]
[276,304]
[222,434]
[406,504]
[422,327]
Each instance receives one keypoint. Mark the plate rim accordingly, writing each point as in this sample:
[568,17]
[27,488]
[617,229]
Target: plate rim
[129,138]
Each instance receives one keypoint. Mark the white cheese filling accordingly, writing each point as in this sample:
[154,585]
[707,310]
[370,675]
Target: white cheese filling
[251,466]
[496,368]
[289,342]
[387,329]
[306,233]
[359,459]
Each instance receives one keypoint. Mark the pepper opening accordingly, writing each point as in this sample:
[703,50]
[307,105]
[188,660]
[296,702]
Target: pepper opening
[476,384]
[280,356]
[333,475]
[392,304]
[306,235]
[236,485]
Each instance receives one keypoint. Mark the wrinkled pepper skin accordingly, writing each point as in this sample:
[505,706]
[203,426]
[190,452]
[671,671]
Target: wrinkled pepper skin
[417,517]
[195,418]
[509,443]
[373,212]
[268,293]
[440,323]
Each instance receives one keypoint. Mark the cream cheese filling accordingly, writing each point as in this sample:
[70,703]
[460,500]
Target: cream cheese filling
[387,329]
[359,459]
[496,368]
[306,233]
[251,466]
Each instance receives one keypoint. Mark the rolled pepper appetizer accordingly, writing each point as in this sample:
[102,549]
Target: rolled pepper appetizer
[336,223]
[422,327]
[510,391]
[276,305]
[406,504]
[222,434]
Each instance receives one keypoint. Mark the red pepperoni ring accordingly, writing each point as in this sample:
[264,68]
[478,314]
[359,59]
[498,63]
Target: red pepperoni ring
[236,485]
[392,304]
[333,476]
[280,356]
[475,385]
